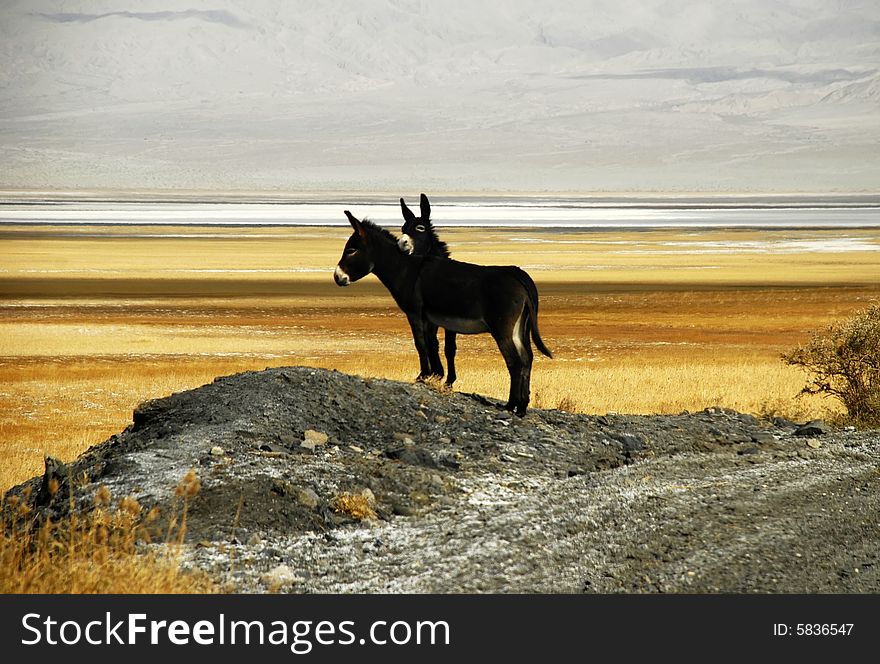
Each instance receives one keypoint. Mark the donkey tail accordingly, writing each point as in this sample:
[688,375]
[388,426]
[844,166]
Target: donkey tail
[533,327]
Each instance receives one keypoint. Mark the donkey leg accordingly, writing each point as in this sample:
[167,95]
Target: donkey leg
[433,346]
[527,356]
[524,388]
[449,351]
[417,325]
[514,368]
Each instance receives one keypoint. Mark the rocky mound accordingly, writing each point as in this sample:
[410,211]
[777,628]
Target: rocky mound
[317,481]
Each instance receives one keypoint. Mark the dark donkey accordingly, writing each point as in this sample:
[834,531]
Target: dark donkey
[460,297]
[419,238]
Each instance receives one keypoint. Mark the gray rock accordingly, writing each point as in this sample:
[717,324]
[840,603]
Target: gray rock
[812,428]
[782,423]
[312,439]
[307,498]
[631,442]
[275,449]
[279,577]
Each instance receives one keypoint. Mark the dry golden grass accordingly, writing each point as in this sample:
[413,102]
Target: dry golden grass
[100,552]
[356,505]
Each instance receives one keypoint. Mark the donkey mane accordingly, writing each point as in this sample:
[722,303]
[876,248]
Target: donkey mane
[440,248]
[376,230]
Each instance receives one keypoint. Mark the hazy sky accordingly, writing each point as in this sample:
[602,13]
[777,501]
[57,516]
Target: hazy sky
[390,96]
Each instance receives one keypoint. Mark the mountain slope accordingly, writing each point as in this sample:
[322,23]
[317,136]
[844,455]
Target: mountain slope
[524,95]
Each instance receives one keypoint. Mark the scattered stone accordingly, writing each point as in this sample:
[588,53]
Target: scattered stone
[401,508]
[815,444]
[217,451]
[312,439]
[288,439]
[280,576]
[763,437]
[275,449]
[414,456]
[369,496]
[355,448]
[631,442]
[812,428]
[316,437]
[254,540]
[748,450]
[307,498]
[782,423]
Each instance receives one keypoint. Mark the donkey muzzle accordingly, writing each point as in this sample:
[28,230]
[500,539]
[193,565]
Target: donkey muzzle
[341,278]
[405,244]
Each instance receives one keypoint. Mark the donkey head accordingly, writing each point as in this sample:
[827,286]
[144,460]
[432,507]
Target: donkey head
[356,261]
[417,233]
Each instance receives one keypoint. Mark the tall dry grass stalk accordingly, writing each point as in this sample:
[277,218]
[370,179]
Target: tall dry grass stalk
[105,550]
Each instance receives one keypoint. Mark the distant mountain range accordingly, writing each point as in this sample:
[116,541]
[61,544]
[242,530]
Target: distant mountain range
[455,96]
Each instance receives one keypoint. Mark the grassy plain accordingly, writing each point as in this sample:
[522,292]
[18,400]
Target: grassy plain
[95,320]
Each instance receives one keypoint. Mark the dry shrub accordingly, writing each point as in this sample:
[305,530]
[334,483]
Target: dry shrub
[844,363]
[356,505]
[101,551]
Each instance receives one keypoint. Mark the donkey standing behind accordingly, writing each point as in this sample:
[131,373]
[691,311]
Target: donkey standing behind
[460,297]
[419,238]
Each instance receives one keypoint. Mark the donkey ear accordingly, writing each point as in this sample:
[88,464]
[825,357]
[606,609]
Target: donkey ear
[426,208]
[355,223]
[408,215]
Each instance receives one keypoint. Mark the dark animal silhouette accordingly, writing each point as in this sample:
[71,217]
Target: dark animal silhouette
[462,297]
[419,239]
